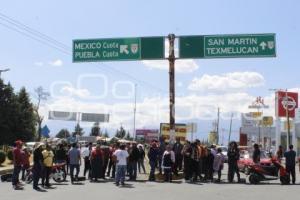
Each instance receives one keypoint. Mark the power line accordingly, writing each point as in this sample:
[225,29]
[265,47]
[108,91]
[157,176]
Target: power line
[53,43]
[33,31]
[30,36]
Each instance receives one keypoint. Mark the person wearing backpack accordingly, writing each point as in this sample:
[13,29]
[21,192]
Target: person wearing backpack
[168,160]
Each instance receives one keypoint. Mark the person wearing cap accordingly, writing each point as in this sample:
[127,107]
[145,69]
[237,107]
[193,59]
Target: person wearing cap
[17,161]
[37,165]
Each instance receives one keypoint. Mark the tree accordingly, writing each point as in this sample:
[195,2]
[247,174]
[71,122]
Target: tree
[120,132]
[41,96]
[77,131]
[96,131]
[8,118]
[25,128]
[17,118]
[63,133]
[128,136]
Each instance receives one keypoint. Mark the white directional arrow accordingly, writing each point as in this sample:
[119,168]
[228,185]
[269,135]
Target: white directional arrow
[124,49]
[263,45]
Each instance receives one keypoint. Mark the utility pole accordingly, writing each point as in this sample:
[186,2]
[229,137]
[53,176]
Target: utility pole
[134,113]
[171,59]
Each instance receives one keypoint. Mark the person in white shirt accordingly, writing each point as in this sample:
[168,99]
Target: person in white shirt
[120,157]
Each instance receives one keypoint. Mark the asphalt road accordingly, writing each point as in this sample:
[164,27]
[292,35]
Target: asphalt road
[153,190]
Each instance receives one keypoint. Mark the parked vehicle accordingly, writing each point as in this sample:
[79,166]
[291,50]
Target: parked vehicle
[258,172]
[58,174]
[246,159]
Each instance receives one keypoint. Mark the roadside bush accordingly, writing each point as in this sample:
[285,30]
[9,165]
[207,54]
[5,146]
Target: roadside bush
[2,157]
[10,155]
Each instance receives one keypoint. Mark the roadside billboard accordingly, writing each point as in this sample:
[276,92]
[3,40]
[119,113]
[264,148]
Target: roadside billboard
[250,119]
[94,117]
[147,135]
[180,131]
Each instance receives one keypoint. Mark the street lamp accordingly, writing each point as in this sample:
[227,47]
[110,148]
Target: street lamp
[3,70]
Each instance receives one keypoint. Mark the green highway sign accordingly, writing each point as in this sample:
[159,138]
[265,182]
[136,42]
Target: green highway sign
[226,46]
[256,45]
[92,50]
[106,49]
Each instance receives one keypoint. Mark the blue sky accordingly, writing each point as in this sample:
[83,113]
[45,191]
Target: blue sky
[35,64]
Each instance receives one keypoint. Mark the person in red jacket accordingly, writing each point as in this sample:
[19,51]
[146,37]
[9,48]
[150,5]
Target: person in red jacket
[25,162]
[17,160]
[97,160]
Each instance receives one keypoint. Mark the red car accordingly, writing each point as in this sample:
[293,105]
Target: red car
[246,159]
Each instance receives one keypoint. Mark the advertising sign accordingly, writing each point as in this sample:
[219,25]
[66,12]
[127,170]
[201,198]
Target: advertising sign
[180,131]
[94,117]
[60,115]
[147,134]
[267,121]
[286,102]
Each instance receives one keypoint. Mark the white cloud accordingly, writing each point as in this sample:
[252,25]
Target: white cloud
[71,91]
[181,66]
[229,82]
[56,63]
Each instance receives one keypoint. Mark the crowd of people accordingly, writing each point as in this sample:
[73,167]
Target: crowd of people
[101,161]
